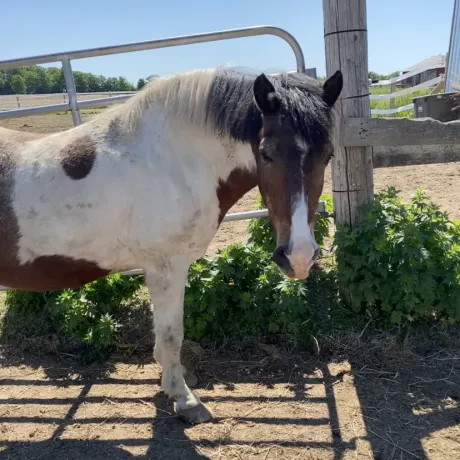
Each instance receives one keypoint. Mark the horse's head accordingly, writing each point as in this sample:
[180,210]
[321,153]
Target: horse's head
[292,152]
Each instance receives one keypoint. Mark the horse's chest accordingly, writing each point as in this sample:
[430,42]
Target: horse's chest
[184,212]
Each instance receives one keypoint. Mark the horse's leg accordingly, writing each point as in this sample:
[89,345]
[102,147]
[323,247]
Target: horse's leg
[166,288]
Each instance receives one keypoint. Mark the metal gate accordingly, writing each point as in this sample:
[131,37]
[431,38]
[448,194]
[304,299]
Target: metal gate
[74,105]
[453,63]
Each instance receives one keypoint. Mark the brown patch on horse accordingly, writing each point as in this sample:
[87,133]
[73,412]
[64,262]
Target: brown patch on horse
[45,272]
[50,273]
[237,184]
[78,157]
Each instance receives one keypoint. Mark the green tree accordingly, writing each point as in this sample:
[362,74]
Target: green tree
[57,81]
[93,83]
[18,84]
[140,83]
[379,76]
[38,80]
[111,84]
[81,81]
[124,84]
[3,83]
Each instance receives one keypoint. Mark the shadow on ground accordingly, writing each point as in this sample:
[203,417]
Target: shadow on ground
[268,403]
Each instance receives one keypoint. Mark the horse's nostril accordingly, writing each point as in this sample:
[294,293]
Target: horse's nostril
[280,258]
[316,254]
[279,255]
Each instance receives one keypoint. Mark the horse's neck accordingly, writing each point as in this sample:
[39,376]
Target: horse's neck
[232,163]
[238,183]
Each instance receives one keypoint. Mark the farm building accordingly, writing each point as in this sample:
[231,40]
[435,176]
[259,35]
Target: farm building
[423,71]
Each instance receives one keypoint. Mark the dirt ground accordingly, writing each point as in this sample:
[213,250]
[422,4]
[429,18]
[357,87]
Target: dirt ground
[268,403]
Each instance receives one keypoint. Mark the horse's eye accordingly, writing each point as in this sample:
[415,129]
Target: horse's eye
[265,156]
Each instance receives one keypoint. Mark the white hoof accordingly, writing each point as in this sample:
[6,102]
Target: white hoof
[195,414]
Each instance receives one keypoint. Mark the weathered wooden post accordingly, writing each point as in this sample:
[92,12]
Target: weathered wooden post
[345,34]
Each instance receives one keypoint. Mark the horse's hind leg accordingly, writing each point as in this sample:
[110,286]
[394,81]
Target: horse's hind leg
[166,286]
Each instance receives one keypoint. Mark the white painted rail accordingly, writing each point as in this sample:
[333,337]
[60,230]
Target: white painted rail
[395,94]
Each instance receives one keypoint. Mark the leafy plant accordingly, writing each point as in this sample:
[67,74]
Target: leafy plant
[241,293]
[262,233]
[85,314]
[403,260]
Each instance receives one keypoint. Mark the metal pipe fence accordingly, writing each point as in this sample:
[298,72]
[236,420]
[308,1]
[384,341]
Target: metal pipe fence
[66,57]
[453,63]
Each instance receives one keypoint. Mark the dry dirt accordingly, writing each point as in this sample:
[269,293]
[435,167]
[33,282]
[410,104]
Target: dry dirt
[268,404]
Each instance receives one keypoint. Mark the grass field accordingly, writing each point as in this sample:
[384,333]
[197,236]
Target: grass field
[355,397]
[399,101]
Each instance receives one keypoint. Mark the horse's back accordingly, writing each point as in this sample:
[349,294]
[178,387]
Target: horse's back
[16,139]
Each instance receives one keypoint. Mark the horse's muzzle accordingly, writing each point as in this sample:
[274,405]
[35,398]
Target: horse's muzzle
[280,258]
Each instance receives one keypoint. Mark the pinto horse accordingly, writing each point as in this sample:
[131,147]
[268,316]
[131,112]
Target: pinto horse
[147,183]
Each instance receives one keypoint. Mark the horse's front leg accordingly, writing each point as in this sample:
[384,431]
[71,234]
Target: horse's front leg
[166,286]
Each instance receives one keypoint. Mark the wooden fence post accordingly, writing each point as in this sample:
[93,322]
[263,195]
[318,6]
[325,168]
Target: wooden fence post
[393,99]
[345,35]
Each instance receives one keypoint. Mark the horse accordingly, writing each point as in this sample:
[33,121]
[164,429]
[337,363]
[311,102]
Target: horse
[146,184]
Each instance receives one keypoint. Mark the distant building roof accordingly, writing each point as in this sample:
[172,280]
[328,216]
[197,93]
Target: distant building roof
[433,62]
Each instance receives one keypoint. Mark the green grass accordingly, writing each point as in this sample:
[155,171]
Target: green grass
[93,111]
[399,101]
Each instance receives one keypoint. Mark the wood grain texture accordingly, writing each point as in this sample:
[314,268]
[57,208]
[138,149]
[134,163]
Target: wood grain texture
[398,131]
[345,31]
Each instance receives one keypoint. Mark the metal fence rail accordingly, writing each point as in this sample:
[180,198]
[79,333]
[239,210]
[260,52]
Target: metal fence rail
[66,57]
[228,218]
[453,63]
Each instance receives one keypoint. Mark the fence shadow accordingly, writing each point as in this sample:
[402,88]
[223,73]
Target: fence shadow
[406,399]
[118,411]
[292,404]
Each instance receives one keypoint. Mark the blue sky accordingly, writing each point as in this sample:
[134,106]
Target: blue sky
[401,32]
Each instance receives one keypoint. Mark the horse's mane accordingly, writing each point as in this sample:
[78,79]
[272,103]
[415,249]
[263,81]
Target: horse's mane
[221,100]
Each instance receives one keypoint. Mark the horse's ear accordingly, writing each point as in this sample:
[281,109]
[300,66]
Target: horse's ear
[332,88]
[265,96]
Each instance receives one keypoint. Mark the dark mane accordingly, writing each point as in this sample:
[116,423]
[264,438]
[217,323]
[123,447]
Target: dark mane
[232,111]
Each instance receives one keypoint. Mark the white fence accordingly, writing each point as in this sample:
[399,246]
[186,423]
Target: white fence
[36,100]
[394,94]
[20,101]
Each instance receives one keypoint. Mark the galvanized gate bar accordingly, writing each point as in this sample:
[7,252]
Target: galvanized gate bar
[142,46]
[227,218]
[71,91]
[164,43]
[453,57]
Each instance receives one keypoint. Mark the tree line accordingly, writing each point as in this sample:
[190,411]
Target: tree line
[379,76]
[47,80]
